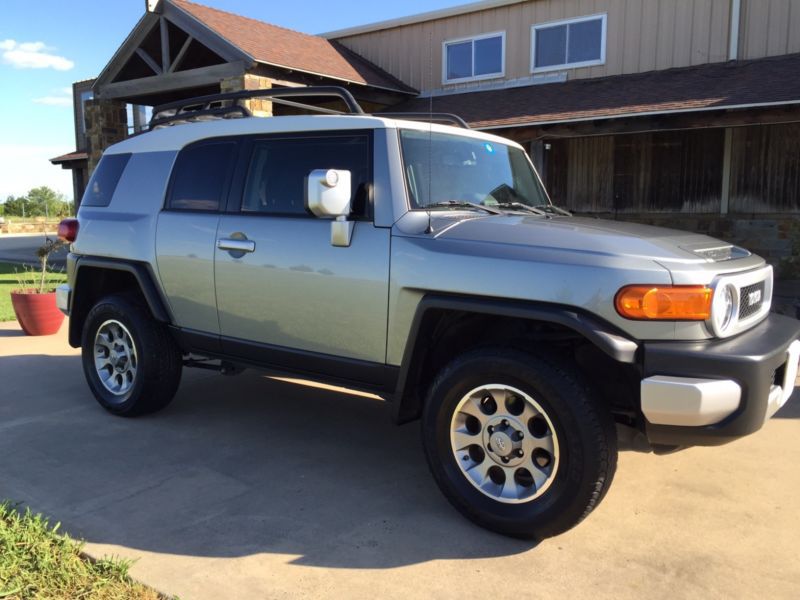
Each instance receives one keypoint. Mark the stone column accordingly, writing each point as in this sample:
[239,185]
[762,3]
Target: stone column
[260,107]
[106,124]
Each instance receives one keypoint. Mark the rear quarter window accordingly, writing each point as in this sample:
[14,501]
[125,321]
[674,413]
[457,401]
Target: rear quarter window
[104,180]
[200,176]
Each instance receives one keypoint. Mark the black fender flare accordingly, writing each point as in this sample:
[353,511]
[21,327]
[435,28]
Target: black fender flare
[605,336]
[141,272]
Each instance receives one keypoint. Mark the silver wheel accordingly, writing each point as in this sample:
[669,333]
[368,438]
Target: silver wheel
[115,358]
[504,443]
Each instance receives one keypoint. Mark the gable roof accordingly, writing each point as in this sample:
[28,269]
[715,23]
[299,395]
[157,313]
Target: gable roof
[716,86]
[285,48]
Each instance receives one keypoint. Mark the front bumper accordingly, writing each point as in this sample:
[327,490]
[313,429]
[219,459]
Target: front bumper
[722,389]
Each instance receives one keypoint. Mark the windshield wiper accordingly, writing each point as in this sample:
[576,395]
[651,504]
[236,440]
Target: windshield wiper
[555,209]
[521,206]
[462,204]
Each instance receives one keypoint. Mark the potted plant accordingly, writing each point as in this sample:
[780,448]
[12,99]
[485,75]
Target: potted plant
[34,300]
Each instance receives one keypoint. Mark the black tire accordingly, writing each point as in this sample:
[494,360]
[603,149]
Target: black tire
[583,426]
[159,360]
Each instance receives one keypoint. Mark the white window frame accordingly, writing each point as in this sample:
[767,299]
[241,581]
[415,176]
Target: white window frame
[473,39]
[568,65]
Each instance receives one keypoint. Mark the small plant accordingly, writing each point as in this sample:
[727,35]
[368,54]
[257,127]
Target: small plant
[33,280]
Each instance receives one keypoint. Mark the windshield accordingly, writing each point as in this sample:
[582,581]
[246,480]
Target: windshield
[447,170]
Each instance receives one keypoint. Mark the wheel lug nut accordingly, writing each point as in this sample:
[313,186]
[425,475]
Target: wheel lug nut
[520,435]
[505,423]
[520,453]
[491,429]
[504,459]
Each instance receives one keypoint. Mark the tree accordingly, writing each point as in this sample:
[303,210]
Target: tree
[39,202]
[43,201]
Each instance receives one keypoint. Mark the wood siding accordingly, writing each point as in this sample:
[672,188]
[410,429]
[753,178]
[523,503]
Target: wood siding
[765,169]
[670,171]
[642,35]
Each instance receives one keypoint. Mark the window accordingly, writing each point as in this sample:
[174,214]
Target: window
[104,180]
[568,44]
[474,58]
[200,176]
[442,167]
[276,179]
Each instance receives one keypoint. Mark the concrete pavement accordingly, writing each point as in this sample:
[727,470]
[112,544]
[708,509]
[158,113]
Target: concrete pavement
[248,487]
[21,248]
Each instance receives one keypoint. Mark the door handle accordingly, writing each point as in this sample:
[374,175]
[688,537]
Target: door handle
[232,245]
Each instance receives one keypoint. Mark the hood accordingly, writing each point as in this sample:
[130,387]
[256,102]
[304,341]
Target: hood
[616,238]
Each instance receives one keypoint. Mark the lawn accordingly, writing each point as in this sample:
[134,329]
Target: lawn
[9,281]
[38,562]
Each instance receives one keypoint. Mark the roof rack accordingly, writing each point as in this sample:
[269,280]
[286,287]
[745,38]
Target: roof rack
[222,105]
[424,116]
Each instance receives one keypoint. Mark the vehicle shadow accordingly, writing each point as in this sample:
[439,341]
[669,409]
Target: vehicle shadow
[235,466]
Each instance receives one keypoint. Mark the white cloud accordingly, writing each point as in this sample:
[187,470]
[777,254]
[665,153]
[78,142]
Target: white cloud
[32,55]
[24,167]
[60,97]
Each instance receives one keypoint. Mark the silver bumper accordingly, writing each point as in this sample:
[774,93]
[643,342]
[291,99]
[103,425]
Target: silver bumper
[63,294]
[686,401]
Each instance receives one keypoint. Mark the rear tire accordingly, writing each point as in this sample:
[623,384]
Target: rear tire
[132,364]
[517,442]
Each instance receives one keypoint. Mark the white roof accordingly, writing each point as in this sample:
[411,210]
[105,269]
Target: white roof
[175,137]
[432,15]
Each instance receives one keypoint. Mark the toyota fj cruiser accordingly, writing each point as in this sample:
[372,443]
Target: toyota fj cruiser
[426,263]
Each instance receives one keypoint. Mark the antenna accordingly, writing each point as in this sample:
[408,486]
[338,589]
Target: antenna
[429,229]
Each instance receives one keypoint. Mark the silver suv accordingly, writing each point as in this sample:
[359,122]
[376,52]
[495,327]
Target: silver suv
[423,262]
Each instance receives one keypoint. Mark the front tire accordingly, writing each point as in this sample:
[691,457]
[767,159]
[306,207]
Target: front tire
[132,364]
[517,443]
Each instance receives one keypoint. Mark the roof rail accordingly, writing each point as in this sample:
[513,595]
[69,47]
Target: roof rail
[221,105]
[426,116]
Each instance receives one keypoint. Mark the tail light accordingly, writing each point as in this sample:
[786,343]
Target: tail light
[68,230]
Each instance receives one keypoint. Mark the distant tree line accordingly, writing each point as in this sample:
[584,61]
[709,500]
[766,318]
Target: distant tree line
[38,202]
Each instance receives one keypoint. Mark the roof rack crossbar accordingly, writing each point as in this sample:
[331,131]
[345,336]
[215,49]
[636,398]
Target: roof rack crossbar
[191,115]
[278,95]
[425,116]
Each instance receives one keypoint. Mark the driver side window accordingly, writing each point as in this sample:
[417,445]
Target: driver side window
[276,177]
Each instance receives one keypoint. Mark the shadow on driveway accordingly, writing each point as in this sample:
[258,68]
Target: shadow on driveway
[235,466]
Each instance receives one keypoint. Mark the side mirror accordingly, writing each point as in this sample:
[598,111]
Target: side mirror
[328,193]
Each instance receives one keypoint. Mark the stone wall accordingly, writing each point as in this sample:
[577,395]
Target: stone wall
[106,124]
[260,107]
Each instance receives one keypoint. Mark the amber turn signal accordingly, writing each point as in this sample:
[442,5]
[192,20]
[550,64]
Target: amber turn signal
[665,303]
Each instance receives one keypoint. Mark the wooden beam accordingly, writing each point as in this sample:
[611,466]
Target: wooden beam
[150,62]
[164,45]
[125,51]
[179,58]
[726,172]
[203,34]
[169,82]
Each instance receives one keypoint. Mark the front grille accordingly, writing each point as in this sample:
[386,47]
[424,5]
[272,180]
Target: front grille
[751,299]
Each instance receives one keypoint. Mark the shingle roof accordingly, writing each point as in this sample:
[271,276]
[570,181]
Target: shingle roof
[703,87]
[69,157]
[283,47]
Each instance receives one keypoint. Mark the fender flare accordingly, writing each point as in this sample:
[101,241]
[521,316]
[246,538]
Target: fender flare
[604,336]
[141,272]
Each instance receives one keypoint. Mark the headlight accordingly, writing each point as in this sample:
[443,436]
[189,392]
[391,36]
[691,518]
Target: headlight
[724,309]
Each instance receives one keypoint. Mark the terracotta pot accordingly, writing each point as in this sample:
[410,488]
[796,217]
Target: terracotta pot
[37,313]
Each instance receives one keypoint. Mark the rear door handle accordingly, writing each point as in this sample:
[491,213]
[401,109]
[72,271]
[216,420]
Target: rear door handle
[232,245]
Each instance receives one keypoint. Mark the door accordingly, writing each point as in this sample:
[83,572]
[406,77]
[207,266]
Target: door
[284,294]
[187,230]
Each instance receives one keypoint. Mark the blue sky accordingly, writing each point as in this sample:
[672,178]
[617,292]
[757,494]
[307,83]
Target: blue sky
[48,44]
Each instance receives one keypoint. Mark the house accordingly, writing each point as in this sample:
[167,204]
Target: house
[684,113]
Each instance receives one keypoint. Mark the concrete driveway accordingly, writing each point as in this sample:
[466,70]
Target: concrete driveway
[249,487]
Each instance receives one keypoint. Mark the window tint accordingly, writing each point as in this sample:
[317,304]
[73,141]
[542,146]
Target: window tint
[575,42]
[200,175]
[479,57]
[104,180]
[276,179]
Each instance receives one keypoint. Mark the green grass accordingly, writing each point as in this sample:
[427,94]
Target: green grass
[37,562]
[9,280]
